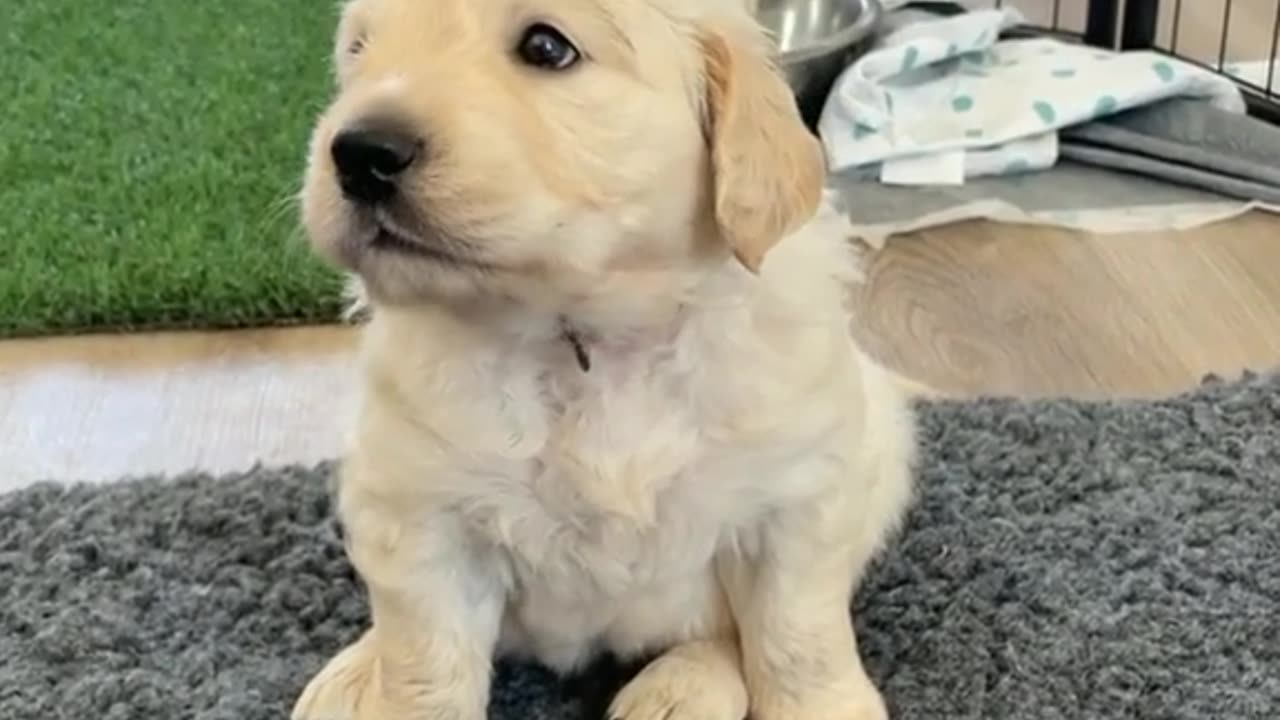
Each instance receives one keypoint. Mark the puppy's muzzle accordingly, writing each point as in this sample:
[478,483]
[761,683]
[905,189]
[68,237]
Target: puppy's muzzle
[371,158]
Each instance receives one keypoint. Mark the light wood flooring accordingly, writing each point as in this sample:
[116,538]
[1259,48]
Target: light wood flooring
[971,308]
[984,308]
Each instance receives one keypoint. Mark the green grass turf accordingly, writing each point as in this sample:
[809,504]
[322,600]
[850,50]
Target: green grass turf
[149,156]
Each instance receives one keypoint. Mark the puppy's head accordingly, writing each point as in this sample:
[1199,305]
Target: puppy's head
[532,149]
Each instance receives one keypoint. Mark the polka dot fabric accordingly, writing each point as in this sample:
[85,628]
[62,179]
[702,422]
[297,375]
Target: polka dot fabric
[936,87]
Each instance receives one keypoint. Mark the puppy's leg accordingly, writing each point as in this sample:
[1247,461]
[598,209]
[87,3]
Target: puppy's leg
[436,613]
[699,680]
[791,597]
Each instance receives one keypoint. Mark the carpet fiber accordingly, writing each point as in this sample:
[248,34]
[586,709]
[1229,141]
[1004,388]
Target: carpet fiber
[150,152]
[1063,560]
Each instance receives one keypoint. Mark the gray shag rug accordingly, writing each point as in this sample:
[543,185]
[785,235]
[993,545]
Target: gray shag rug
[1063,560]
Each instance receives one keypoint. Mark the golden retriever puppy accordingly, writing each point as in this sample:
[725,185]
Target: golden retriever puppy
[611,402]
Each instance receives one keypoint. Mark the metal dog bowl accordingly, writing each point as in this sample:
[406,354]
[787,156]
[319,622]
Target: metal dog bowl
[817,40]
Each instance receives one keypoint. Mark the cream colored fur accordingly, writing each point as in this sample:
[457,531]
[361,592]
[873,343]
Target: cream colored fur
[711,490]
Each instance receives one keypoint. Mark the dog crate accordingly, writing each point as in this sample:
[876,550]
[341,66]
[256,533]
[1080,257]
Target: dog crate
[1239,39]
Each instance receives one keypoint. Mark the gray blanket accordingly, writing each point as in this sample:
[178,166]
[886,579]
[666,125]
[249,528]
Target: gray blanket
[1067,186]
[1063,560]
[1175,152]
[1184,142]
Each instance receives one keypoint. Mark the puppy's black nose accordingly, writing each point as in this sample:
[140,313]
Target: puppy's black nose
[370,159]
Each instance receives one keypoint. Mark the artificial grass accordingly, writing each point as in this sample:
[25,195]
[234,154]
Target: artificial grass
[149,157]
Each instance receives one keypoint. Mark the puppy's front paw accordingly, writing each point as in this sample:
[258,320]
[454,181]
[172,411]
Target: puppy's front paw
[679,688]
[339,690]
[354,685]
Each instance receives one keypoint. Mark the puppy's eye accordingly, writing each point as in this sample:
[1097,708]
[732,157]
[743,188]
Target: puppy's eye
[356,46]
[545,47]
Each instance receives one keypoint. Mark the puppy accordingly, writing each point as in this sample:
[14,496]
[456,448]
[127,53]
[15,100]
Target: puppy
[611,398]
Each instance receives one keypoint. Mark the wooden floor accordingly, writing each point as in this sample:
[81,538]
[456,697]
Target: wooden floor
[983,308]
[971,308]
[103,407]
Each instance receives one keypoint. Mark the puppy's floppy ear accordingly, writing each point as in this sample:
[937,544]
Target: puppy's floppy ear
[767,168]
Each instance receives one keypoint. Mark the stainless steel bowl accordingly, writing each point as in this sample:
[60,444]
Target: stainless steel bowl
[817,40]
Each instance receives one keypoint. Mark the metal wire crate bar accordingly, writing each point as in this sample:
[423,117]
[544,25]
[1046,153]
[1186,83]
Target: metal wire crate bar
[1239,39]
[1165,26]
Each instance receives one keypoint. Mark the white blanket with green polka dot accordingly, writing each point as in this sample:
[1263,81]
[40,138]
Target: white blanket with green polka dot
[937,101]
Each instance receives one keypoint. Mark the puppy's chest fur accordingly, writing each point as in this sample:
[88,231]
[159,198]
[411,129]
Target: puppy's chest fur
[630,482]
[612,482]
